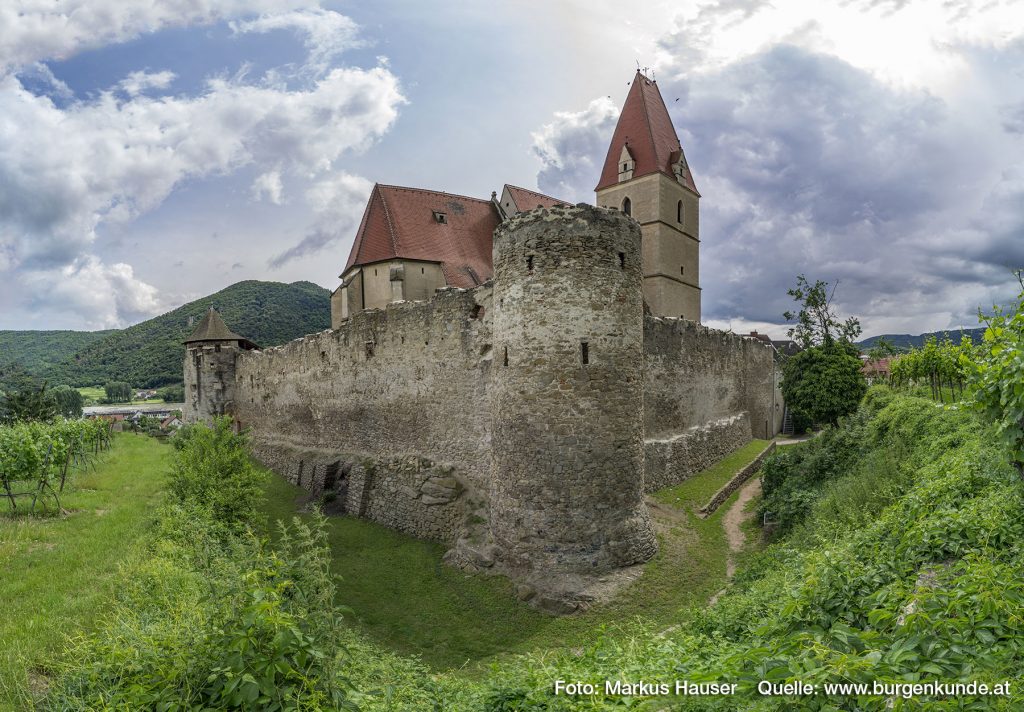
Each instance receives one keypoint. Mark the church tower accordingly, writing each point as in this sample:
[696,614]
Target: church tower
[646,176]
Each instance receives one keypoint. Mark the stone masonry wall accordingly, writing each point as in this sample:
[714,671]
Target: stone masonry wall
[567,394]
[406,384]
[694,375]
[669,461]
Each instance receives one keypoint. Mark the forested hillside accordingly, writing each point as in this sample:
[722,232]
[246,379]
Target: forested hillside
[150,353]
[905,342]
[38,351]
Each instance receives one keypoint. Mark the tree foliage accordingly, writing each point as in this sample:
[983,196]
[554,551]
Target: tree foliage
[823,383]
[936,364]
[817,323]
[997,374]
[118,392]
[33,402]
[69,401]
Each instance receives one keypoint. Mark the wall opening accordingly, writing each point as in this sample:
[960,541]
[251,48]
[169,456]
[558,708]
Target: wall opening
[529,263]
[478,311]
[679,212]
[627,207]
[622,260]
[504,360]
[585,352]
[369,349]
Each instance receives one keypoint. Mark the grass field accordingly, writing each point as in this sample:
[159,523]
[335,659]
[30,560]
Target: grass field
[58,570]
[95,393]
[404,598]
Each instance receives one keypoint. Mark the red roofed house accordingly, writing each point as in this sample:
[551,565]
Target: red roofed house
[413,241]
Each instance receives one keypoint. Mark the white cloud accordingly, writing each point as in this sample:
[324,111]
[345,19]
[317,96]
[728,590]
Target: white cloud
[904,42]
[33,30]
[268,185]
[337,204]
[327,34]
[138,82]
[63,172]
[572,149]
[66,171]
[103,296]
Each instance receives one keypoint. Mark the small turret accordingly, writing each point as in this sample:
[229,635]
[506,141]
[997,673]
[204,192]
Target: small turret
[210,356]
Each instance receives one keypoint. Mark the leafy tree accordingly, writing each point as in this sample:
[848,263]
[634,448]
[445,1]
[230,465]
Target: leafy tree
[29,404]
[882,349]
[817,323]
[172,394]
[998,375]
[69,401]
[118,392]
[823,383]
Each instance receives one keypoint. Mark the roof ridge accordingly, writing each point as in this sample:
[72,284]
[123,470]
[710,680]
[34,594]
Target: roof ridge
[387,219]
[534,192]
[441,192]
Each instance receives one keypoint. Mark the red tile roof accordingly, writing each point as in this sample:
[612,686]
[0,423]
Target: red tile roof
[530,199]
[402,223]
[645,126]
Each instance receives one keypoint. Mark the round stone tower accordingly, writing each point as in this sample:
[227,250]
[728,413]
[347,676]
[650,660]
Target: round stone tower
[211,353]
[567,405]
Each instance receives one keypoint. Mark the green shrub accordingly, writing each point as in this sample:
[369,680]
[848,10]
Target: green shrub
[823,383]
[213,472]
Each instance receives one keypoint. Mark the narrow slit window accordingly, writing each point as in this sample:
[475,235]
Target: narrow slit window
[622,260]
[682,271]
[529,263]
[369,349]
[585,352]
[627,207]
[679,212]
[504,361]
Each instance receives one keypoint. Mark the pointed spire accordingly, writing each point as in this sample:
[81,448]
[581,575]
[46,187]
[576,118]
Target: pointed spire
[213,328]
[645,130]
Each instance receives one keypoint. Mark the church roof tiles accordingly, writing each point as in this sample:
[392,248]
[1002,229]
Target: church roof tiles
[646,128]
[433,226]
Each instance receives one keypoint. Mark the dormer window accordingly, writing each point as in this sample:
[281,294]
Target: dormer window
[626,164]
[440,217]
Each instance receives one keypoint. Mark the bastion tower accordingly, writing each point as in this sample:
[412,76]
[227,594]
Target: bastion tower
[211,353]
[645,175]
[567,395]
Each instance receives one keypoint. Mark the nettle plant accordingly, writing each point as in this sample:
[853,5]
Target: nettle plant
[998,375]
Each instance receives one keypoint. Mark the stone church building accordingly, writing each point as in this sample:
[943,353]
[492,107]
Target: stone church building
[509,376]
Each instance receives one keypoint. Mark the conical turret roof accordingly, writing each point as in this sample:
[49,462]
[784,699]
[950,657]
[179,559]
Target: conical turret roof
[645,128]
[213,328]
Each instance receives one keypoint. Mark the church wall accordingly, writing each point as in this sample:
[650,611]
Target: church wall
[421,280]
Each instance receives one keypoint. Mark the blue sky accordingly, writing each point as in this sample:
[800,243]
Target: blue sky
[154,152]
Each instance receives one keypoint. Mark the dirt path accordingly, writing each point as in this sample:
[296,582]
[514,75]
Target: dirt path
[731,523]
[735,517]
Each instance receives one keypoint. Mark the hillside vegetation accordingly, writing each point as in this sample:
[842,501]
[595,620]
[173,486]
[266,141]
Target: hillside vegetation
[905,342]
[902,565]
[36,352]
[150,354]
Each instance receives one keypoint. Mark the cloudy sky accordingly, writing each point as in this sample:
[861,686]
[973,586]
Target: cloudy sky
[155,151]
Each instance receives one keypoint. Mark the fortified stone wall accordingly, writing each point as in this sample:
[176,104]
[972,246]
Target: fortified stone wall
[400,392]
[567,394]
[694,375]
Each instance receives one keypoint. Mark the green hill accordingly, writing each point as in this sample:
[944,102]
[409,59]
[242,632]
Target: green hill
[150,353]
[905,342]
[37,352]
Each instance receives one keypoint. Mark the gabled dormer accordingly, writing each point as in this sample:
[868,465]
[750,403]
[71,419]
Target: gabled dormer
[626,163]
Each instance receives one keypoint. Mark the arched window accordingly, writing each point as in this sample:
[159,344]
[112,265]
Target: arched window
[679,212]
[627,207]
